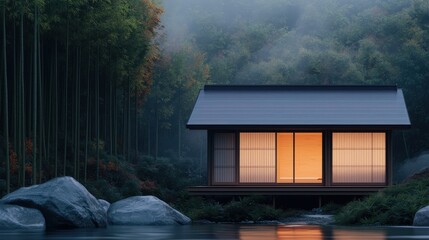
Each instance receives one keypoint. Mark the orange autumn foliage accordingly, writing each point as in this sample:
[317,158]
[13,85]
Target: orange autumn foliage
[147,185]
[112,166]
[29,146]
[13,160]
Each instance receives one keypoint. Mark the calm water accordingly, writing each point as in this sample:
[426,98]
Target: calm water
[221,231]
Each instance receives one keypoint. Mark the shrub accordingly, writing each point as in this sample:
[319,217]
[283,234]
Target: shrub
[198,208]
[395,205]
[245,209]
[211,211]
[104,190]
[264,212]
[131,188]
[237,211]
[331,208]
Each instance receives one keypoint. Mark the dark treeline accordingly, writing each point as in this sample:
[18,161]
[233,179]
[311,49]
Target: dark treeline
[74,78]
[312,42]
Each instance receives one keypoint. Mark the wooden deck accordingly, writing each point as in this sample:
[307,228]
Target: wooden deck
[283,190]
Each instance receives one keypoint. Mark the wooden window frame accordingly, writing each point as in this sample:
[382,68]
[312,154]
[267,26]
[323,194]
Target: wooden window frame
[326,157]
[387,181]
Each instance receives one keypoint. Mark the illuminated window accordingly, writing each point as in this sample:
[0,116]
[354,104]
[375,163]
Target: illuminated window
[308,157]
[257,157]
[224,158]
[358,157]
[299,157]
[285,157]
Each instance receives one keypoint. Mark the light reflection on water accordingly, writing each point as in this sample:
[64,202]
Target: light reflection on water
[226,231]
[309,232]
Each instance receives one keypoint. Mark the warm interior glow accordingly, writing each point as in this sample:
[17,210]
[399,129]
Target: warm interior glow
[224,158]
[285,157]
[308,157]
[257,157]
[302,154]
[299,232]
[358,157]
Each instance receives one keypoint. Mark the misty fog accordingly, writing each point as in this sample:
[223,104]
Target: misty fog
[412,166]
[289,42]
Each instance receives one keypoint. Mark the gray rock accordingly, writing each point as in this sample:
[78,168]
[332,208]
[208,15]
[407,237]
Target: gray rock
[63,201]
[422,217]
[105,204]
[17,217]
[144,210]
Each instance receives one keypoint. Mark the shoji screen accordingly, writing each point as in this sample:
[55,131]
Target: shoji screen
[257,157]
[358,157]
[224,158]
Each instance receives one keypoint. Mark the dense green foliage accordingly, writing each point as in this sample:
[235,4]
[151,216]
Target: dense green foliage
[164,178]
[254,208]
[395,205]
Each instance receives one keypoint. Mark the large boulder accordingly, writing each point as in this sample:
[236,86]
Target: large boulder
[144,210]
[17,217]
[63,201]
[422,217]
[105,204]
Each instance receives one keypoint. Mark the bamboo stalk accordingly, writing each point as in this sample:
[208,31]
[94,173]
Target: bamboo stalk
[5,95]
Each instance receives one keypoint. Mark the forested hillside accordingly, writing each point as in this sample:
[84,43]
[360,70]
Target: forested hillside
[311,42]
[102,90]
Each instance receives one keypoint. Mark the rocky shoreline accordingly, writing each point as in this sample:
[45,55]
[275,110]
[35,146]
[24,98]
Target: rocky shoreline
[65,203]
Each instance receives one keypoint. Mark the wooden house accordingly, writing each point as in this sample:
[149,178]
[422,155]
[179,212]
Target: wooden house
[298,140]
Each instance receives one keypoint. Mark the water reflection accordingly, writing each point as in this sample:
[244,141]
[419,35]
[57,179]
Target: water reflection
[350,234]
[225,231]
[294,232]
[307,232]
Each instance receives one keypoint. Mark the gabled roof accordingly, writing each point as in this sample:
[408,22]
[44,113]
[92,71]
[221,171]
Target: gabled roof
[298,106]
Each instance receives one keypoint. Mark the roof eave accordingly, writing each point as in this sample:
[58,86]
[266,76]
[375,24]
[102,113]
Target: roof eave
[268,127]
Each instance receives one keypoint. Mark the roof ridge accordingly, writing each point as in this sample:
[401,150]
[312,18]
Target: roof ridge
[301,87]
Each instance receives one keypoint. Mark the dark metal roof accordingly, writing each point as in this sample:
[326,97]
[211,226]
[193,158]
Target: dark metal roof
[299,106]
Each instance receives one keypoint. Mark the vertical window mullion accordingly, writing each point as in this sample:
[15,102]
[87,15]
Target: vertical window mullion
[293,158]
[275,157]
